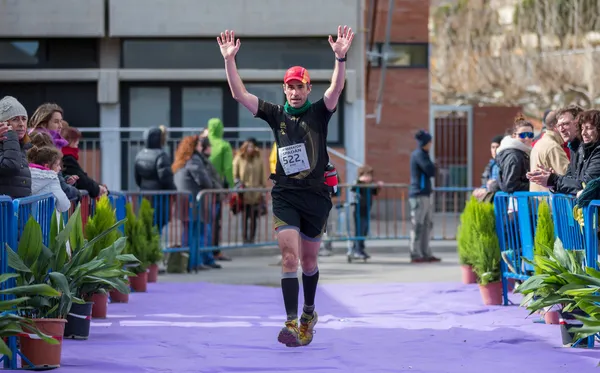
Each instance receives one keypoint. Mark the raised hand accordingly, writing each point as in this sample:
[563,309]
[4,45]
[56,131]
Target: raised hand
[229,46]
[341,45]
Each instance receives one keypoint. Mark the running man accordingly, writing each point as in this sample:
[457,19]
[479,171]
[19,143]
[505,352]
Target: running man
[301,200]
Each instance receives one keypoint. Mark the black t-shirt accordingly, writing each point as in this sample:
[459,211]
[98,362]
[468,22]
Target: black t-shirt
[294,134]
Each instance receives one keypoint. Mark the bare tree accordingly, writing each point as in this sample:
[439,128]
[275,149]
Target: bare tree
[541,55]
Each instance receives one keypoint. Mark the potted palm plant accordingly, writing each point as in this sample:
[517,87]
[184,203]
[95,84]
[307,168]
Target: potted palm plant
[466,242]
[13,325]
[88,274]
[137,246]
[560,273]
[34,262]
[99,226]
[486,263]
[152,235]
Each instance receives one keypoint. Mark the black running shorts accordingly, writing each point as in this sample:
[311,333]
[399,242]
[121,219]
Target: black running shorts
[304,209]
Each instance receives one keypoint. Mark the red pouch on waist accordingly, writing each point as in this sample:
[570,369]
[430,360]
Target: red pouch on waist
[331,179]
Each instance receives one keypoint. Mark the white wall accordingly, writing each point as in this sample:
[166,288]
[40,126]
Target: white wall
[52,18]
[208,18]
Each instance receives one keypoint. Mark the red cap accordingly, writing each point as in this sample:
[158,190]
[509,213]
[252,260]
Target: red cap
[297,73]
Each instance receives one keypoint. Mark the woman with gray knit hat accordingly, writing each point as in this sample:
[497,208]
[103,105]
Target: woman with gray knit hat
[15,177]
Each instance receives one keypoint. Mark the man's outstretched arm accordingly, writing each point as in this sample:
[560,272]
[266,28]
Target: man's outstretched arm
[340,49]
[229,48]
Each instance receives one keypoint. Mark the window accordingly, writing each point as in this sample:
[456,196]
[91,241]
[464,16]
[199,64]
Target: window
[269,92]
[49,53]
[374,55]
[204,54]
[274,93]
[78,100]
[333,133]
[149,107]
[199,104]
[402,55]
[19,53]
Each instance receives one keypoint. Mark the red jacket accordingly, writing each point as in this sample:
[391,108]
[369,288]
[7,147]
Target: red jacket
[565,146]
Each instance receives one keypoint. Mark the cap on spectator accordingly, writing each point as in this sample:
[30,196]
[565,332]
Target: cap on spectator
[10,108]
[497,139]
[423,138]
[296,73]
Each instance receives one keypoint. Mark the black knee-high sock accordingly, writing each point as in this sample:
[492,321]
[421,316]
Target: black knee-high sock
[309,282]
[290,289]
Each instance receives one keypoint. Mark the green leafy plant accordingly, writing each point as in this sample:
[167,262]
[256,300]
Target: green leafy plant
[544,233]
[587,298]
[486,264]
[34,263]
[560,270]
[72,276]
[88,273]
[12,324]
[100,224]
[466,235]
[151,233]
[136,240]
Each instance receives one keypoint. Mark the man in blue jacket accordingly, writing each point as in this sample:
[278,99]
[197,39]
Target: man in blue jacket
[422,170]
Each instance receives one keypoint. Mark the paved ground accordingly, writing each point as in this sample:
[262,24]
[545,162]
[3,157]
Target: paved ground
[395,225]
[385,315]
[384,267]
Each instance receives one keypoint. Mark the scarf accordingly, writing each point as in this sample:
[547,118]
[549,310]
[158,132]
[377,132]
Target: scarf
[73,152]
[39,167]
[57,139]
[296,111]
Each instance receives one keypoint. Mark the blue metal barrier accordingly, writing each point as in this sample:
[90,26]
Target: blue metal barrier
[565,226]
[41,208]
[590,214]
[516,224]
[7,236]
[119,200]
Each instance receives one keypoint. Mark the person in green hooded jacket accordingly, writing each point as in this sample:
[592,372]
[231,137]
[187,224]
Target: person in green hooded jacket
[222,153]
[221,158]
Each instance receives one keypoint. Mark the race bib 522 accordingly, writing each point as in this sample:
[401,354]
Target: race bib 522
[293,158]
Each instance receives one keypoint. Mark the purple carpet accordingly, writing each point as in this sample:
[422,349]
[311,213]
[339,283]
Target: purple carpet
[433,327]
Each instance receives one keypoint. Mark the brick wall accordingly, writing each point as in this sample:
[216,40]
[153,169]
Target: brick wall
[406,95]
[488,121]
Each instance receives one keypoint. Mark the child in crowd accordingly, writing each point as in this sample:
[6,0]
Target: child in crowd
[364,193]
[45,164]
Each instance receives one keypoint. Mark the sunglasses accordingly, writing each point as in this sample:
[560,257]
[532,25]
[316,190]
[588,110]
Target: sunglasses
[526,135]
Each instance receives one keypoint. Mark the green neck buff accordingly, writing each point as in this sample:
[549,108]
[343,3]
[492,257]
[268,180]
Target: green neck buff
[296,111]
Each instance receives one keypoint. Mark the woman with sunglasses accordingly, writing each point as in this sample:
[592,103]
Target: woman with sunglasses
[513,157]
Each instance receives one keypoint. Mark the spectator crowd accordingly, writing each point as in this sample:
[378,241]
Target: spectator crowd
[563,159]
[39,154]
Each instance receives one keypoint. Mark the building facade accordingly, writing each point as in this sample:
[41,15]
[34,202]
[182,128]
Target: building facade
[118,66]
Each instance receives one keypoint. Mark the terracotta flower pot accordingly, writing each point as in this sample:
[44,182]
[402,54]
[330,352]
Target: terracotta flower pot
[552,317]
[468,276]
[139,283]
[41,354]
[153,273]
[118,297]
[491,294]
[100,307]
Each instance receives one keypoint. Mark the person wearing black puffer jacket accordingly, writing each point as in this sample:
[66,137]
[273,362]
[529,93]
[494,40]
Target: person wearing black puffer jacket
[153,164]
[513,157]
[15,177]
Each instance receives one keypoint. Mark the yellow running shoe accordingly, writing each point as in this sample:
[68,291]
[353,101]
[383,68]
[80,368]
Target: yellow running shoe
[306,329]
[289,334]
